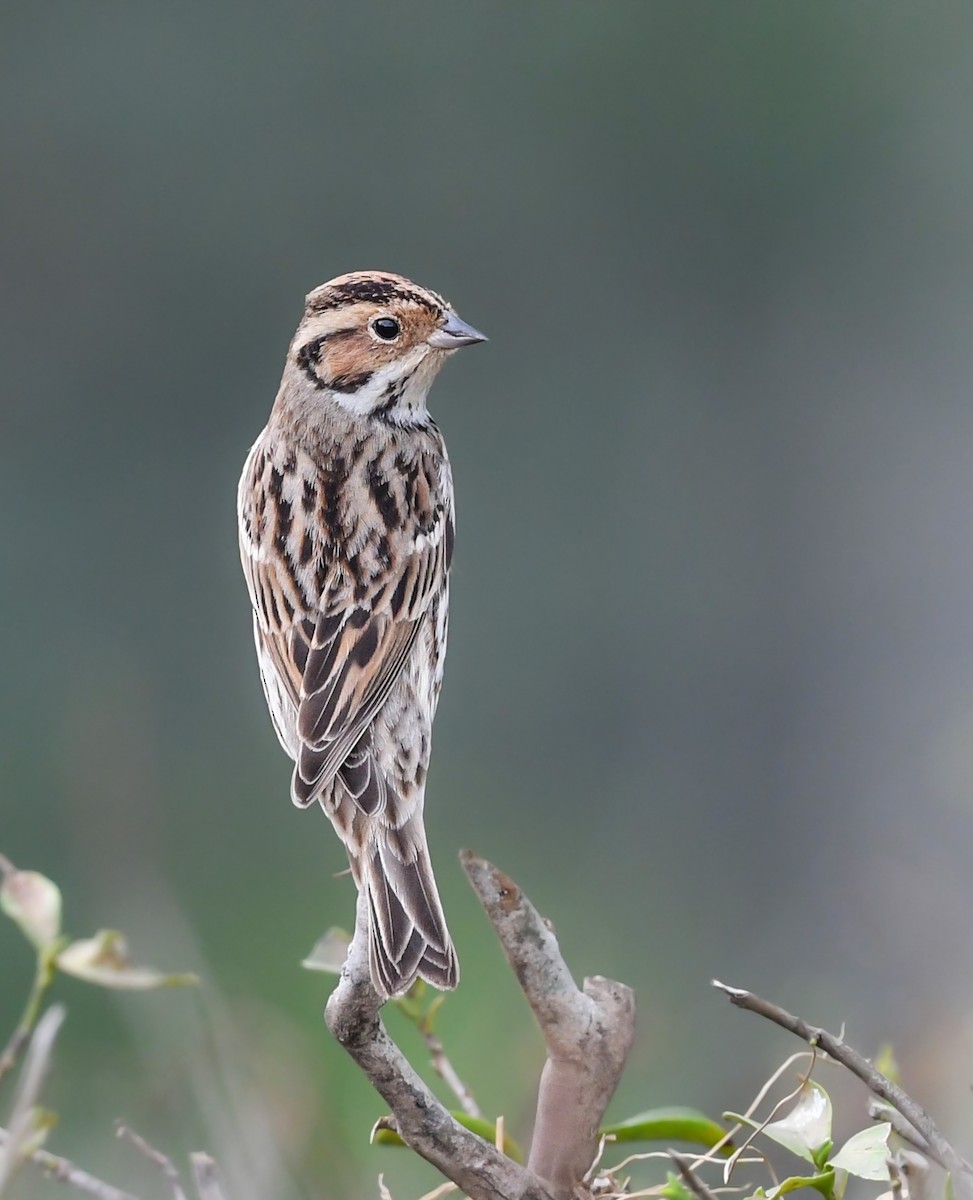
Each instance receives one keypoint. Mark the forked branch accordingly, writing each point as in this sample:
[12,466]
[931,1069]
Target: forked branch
[588,1033]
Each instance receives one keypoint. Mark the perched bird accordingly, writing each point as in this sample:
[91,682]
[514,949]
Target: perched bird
[346,522]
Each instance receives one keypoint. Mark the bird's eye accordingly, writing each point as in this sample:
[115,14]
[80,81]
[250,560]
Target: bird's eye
[387,328]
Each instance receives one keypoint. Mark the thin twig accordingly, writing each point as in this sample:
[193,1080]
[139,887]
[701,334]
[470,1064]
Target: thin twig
[206,1176]
[447,1072]
[939,1149]
[43,978]
[754,1133]
[31,1080]
[690,1178]
[162,1161]
[62,1170]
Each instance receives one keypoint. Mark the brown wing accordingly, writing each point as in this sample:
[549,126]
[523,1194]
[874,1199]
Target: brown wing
[348,677]
[329,665]
[355,658]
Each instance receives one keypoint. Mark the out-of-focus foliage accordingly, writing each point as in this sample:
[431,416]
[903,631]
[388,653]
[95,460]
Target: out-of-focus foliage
[33,902]
[710,685]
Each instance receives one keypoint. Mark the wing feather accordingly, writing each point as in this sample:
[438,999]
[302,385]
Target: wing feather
[337,659]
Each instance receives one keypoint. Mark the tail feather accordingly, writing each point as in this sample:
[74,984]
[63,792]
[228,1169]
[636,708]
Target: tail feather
[408,937]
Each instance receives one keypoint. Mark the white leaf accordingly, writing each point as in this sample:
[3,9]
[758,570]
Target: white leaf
[807,1127]
[329,952]
[34,902]
[866,1153]
[103,960]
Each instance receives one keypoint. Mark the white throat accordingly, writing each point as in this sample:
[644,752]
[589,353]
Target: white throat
[396,393]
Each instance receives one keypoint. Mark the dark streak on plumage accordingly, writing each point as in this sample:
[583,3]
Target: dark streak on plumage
[285,519]
[381,493]
[349,381]
[393,393]
[309,496]
[331,498]
[308,357]
[398,596]
[364,648]
[375,291]
[449,539]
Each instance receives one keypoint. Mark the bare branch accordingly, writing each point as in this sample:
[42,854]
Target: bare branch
[447,1072]
[12,1143]
[937,1147]
[62,1170]
[478,1169]
[690,1178]
[11,1052]
[588,1033]
[206,1176]
[31,1080]
[165,1164]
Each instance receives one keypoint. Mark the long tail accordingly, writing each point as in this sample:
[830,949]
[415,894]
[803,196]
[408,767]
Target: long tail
[407,930]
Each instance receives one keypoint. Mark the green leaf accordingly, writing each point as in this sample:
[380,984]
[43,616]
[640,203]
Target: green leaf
[42,1121]
[823,1183]
[866,1153]
[34,903]
[410,1003]
[384,1135]
[675,1189]
[806,1129]
[670,1124]
[329,952]
[103,960]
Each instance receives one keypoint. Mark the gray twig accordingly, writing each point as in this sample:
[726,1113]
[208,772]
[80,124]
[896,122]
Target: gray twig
[937,1147]
[447,1073]
[588,1032]
[690,1178]
[162,1161]
[206,1176]
[31,1080]
[13,1143]
[62,1170]
[476,1167]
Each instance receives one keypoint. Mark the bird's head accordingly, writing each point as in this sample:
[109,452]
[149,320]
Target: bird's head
[374,341]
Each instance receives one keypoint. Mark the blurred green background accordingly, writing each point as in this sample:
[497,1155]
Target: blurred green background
[709,695]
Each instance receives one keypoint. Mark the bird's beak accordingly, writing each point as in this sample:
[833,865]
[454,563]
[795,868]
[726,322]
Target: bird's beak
[455,333]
